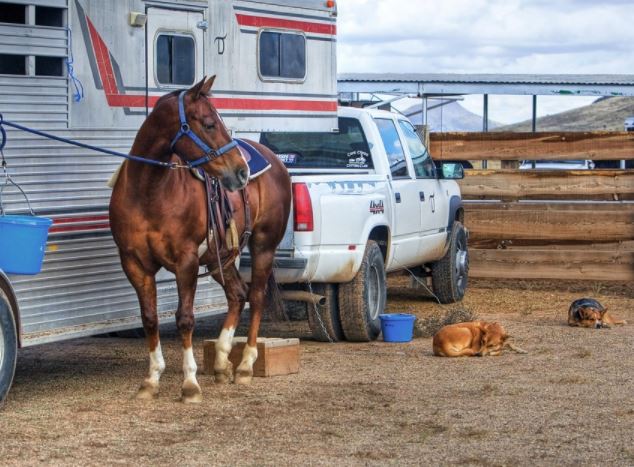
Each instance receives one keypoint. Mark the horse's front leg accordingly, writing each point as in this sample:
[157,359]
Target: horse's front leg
[186,281]
[145,287]
[260,273]
[236,293]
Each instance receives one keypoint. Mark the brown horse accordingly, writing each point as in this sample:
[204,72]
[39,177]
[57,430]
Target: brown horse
[158,219]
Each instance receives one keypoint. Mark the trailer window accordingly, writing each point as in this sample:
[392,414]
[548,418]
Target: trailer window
[12,64]
[175,59]
[345,149]
[282,55]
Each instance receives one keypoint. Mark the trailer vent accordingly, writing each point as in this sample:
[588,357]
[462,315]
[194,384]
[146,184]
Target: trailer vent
[12,64]
[49,16]
[49,66]
[13,13]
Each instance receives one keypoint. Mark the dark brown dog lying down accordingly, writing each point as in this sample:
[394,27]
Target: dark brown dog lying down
[474,339]
[589,313]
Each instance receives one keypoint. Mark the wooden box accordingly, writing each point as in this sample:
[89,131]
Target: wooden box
[276,356]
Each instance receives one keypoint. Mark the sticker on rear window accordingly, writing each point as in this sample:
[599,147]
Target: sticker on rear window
[288,157]
[357,160]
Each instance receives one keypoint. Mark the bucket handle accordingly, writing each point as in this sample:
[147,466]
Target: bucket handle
[7,177]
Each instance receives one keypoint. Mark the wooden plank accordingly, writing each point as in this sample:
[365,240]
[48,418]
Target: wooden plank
[501,184]
[276,356]
[595,145]
[552,264]
[599,225]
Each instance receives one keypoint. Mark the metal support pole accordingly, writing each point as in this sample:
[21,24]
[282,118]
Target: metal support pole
[485,121]
[534,124]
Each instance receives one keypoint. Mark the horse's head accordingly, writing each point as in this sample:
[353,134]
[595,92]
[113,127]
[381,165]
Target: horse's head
[201,138]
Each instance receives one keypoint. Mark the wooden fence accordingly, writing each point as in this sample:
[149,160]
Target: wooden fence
[554,224]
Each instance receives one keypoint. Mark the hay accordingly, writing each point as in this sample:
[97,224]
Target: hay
[427,327]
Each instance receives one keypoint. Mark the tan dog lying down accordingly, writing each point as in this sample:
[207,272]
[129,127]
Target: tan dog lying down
[589,313]
[477,338]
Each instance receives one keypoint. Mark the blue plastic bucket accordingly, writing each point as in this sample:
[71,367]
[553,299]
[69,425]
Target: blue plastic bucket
[22,243]
[397,327]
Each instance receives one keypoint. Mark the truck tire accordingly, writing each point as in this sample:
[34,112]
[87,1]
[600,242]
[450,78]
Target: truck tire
[451,274]
[329,314]
[8,347]
[362,300]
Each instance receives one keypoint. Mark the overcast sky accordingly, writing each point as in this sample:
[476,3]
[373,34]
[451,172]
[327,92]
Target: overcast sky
[489,36]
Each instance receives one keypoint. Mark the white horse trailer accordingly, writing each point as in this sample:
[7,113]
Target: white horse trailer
[91,70]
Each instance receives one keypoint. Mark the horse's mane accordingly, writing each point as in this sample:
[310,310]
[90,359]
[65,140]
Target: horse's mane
[167,96]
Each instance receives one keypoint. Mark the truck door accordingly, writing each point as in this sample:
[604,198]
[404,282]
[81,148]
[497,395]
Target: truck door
[434,205]
[406,223]
[174,49]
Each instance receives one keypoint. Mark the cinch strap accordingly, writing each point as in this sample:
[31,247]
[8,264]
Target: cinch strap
[185,130]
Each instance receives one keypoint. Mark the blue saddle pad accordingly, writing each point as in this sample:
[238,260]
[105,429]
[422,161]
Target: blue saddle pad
[257,163]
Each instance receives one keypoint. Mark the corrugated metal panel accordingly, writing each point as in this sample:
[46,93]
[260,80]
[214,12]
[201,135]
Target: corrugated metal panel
[38,102]
[82,287]
[53,3]
[21,39]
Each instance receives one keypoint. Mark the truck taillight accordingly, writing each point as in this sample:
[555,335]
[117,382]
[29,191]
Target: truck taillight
[303,208]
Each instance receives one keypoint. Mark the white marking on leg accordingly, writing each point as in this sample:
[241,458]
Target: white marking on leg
[157,365]
[223,349]
[189,366]
[249,356]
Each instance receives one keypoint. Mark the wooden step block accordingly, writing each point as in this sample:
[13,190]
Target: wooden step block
[276,356]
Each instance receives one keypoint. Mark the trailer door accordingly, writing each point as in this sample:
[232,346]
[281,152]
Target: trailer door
[174,49]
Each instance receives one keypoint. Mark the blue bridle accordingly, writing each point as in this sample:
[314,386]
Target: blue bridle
[185,130]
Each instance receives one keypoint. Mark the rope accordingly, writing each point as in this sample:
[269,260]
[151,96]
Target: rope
[3,135]
[79,88]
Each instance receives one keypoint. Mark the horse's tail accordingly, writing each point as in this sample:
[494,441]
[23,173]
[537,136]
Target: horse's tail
[274,306]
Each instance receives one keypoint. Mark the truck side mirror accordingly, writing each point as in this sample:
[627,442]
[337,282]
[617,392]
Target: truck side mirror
[452,170]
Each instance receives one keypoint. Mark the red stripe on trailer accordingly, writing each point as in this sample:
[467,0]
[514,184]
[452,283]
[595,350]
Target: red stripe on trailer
[115,98]
[263,21]
[61,224]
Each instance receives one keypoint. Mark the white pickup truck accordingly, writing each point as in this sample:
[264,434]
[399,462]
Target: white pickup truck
[367,200]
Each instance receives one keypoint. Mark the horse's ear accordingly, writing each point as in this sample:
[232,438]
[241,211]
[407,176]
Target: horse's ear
[207,86]
[195,89]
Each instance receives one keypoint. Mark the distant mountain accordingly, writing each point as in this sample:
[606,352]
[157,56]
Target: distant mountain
[603,114]
[449,117]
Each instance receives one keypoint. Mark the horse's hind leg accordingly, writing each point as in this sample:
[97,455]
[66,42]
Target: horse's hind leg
[186,281]
[145,286]
[235,291]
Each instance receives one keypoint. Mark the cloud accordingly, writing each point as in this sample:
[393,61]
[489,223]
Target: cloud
[486,36]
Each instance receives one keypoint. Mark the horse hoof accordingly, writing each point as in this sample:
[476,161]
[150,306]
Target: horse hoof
[147,392]
[191,393]
[243,377]
[224,376]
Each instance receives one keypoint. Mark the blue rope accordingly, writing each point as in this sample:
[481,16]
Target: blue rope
[79,88]
[3,136]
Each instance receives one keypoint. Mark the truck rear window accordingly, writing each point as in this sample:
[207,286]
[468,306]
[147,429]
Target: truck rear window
[345,149]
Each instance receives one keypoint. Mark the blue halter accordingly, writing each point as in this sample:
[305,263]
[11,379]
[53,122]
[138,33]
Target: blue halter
[185,130]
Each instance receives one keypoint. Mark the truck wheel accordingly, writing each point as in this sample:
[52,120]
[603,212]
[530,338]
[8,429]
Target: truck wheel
[450,275]
[8,348]
[330,325]
[362,300]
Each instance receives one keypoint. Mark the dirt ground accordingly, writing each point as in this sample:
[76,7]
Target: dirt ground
[570,401]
